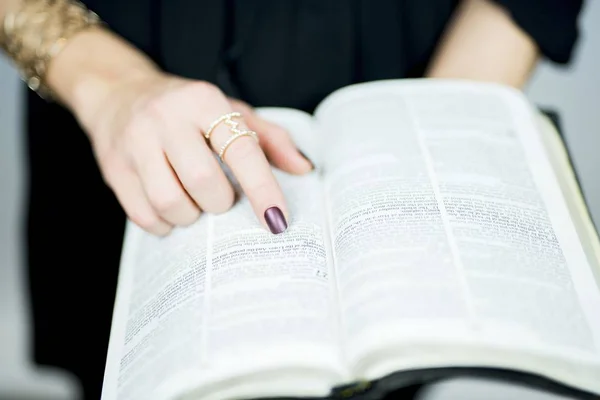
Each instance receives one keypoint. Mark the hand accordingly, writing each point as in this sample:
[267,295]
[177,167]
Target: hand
[148,139]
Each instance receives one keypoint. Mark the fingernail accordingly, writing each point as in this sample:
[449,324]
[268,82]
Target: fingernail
[275,220]
[312,166]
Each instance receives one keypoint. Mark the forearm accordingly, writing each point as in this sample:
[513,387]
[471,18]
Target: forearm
[483,43]
[61,45]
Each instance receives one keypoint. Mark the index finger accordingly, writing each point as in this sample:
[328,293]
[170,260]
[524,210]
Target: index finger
[251,168]
[248,164]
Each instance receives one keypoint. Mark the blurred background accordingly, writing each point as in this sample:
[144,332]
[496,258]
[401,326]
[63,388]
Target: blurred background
[574,92]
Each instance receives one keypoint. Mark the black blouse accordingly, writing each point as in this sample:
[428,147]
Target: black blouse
[294,52]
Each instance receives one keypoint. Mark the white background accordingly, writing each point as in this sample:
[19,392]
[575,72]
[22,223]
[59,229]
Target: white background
[574,91]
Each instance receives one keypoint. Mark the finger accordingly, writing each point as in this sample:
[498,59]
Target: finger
[162,187]
[247,162]
[275,141]
[279,147]
[254,174]
[130,194]
[199,171]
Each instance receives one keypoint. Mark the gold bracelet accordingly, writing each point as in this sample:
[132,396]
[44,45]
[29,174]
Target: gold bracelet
[34,34]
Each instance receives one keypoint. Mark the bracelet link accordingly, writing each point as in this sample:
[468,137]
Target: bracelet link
[34,34]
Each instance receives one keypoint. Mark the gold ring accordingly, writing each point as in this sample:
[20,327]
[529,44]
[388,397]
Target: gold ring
[227,119]
[233,138]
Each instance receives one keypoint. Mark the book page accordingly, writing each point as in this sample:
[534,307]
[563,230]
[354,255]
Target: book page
[270,295]
[224,301]
[559,157]
[158,321]
[449,226]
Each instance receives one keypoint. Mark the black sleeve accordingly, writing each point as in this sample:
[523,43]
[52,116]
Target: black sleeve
[552,24]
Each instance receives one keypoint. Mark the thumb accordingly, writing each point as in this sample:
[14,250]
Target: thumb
[275,142]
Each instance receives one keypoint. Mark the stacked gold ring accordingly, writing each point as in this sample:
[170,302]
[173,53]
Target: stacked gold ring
[228,119]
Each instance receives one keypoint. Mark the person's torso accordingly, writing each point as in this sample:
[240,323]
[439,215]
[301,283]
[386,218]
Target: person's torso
[282,52]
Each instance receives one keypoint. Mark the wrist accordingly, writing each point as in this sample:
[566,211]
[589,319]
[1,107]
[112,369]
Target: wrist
[93,65]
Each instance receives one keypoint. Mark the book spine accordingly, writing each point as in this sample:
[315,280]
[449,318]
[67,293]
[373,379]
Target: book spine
[352,390]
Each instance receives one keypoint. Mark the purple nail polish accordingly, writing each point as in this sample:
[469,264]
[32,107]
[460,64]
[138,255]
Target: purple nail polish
[275,220]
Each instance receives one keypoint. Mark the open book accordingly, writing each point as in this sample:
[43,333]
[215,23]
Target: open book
[442,230]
